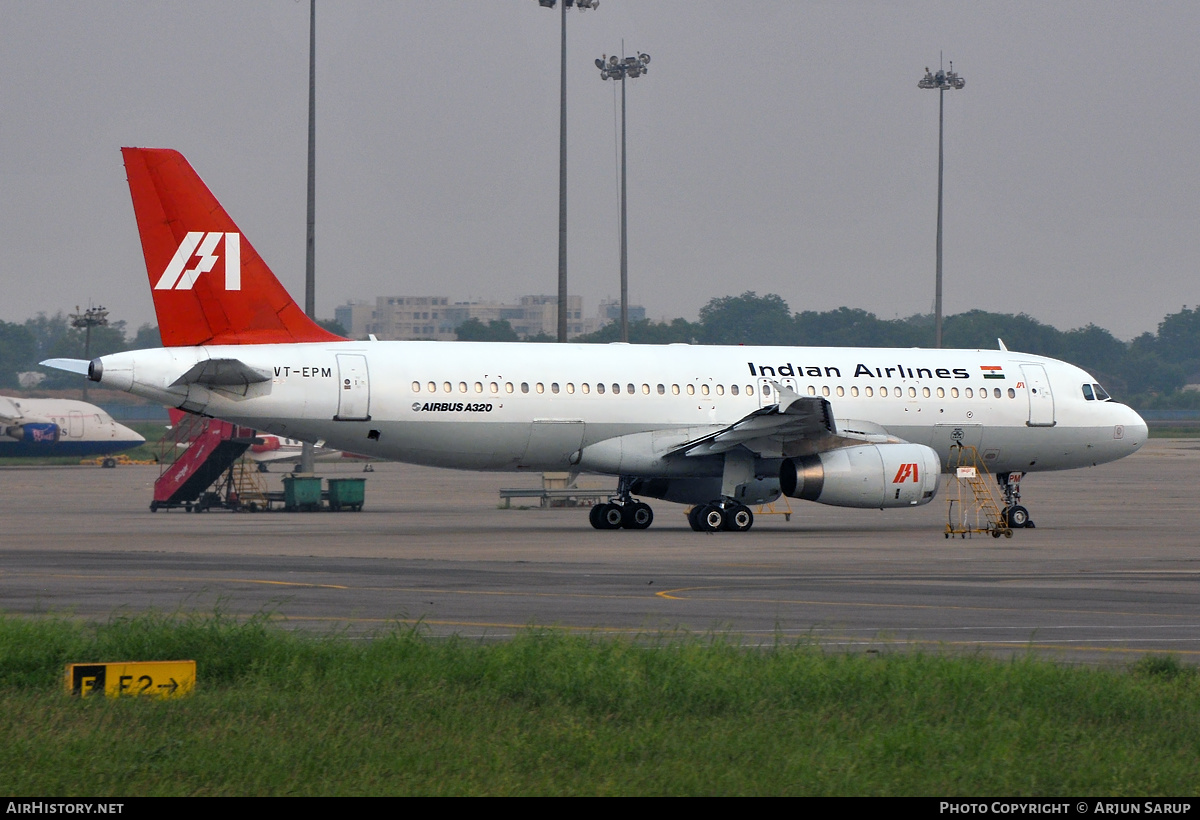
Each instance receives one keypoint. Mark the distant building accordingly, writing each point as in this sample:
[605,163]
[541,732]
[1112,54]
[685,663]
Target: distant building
[436,317]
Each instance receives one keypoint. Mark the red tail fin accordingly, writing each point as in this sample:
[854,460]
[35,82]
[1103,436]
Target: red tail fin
[209,285]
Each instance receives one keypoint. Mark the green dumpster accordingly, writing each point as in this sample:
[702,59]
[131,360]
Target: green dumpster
[346,493]
[301,493]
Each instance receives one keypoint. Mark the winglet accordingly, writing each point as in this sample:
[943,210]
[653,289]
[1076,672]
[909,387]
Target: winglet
[209,284]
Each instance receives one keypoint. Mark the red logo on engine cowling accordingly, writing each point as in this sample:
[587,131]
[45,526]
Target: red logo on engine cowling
[906,472]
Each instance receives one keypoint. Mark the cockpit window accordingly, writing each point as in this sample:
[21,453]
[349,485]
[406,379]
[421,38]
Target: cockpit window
[1087,392]
[1100,394]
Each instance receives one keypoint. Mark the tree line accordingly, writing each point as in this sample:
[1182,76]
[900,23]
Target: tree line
[1148,372]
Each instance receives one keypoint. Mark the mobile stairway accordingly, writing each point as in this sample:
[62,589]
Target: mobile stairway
[212,447]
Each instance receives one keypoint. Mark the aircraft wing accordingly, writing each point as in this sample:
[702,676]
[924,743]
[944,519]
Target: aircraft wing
[9,412]
[797,423]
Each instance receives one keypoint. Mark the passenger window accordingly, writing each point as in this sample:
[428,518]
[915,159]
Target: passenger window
[841,391]
[749,390]
[733,389]
[478,387]
[600,388]
[417,387]
[662,390]
[996,392]
[868,392]
[691,389]
[704,389]
[495,388]
[645,390]
[1012,394]
[941,393]
[587,388]
[570,387]
[462,387]
[720,390]
[630,389]
[616,389]
[508,387]
[925,392]
[432,387]
[954,392]
[446,387]
[554,387]
[969,393]
[674,390]
[912,392]
[539,387]
[524,387]
[825,390]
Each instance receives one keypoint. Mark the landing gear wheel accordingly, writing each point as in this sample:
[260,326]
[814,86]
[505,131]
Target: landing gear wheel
[636,516]
[738,518]
[712,518]
[693,517]
[605,516]
[611,515]
[109,463]
[1017,517]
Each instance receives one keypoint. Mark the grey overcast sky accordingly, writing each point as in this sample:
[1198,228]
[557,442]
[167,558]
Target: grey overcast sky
[780,147]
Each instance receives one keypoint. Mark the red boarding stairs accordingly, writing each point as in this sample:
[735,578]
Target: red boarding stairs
[212,448]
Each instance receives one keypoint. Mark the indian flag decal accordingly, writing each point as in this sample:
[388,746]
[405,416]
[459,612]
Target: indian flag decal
[992,371]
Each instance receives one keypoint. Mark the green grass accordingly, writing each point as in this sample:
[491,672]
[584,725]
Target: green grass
[277,712]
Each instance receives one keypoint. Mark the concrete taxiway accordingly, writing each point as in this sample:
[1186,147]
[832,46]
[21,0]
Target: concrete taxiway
[1112,569]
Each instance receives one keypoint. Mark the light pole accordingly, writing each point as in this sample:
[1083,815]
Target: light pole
[307,453]
[620,69]
[941,82]
[562,162]
[88,319]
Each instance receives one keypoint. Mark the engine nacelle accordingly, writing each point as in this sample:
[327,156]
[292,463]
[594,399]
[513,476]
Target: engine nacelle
[34,432]
[870,475]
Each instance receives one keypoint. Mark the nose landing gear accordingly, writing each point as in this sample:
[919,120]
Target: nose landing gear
[1013,515]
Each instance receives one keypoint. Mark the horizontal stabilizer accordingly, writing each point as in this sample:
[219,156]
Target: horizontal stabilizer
[222,373]
[79,366]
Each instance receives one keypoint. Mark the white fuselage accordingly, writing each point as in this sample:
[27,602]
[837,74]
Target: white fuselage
[32,428]
[520,406]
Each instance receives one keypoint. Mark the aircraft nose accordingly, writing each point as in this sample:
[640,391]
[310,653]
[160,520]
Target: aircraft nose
[1133,429]
[125,434]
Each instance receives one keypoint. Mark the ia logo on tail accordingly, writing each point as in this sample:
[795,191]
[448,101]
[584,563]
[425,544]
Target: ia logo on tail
[203,247]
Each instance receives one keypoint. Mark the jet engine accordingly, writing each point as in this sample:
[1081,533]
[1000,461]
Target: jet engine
[33,432]
[869,475]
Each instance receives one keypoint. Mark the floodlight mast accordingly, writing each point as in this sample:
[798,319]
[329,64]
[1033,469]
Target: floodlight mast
[941,82]
[562,161]
[618,69]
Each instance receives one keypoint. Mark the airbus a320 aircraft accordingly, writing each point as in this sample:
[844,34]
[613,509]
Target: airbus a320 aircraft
[717,427]
[32,428]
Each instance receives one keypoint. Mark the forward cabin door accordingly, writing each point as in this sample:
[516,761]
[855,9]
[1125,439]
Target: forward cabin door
[354,388]
[1041,400]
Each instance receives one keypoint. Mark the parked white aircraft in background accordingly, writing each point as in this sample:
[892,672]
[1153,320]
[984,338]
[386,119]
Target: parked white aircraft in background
[32,428]
[718,427]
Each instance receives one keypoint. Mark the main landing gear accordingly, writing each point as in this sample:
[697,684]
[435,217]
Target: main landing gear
[622,512]
[733,516]
[1013,515]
